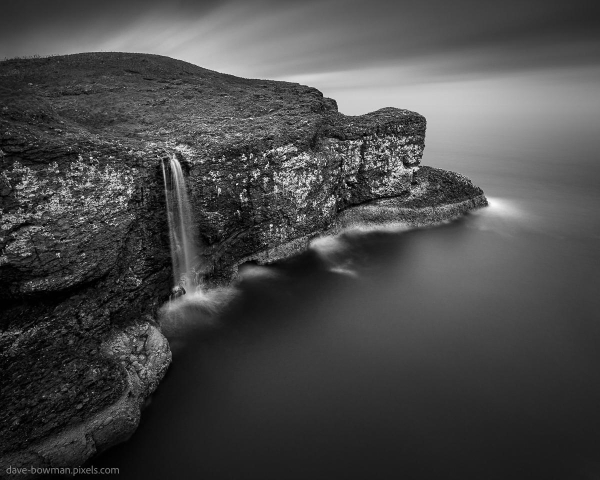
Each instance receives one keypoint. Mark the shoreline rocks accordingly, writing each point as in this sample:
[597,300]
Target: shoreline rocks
[84,245]
[419,208]
[116,422]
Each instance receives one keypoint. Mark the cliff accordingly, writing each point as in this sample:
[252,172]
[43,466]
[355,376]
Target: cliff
[84,259]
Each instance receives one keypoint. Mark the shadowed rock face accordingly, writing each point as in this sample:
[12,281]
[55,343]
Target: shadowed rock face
[83,235]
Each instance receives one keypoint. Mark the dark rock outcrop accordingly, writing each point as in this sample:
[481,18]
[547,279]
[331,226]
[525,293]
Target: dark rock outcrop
[84,255]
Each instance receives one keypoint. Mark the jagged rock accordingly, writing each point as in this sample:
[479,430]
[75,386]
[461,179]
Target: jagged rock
[84,254]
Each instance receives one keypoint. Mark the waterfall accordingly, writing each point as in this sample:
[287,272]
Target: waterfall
[183,246]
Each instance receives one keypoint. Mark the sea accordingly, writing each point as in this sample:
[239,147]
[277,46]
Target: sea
[468,350]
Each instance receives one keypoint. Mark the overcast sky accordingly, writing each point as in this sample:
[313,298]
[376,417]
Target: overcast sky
[433,56]
[283,38]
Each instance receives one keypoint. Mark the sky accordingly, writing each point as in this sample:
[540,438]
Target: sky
[283,38]
[456,61]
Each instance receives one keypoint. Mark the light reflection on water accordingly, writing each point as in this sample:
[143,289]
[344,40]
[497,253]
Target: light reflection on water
[469,350]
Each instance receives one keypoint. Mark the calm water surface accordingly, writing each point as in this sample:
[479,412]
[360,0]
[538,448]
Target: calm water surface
[469,350]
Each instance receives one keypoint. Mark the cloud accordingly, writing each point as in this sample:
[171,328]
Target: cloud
[273,39]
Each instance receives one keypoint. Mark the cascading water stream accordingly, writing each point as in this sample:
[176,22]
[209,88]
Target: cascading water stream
[184,255]
[192,306]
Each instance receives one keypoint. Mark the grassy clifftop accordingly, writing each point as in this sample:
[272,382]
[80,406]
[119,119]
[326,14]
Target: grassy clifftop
[141,97]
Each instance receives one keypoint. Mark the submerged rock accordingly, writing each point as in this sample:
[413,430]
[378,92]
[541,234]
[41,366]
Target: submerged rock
[84,252]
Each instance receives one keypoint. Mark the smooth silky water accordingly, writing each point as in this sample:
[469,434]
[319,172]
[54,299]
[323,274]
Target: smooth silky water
[468,350]
[184,256]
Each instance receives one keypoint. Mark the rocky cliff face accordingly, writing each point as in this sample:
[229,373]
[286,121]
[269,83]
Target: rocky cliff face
[84,244]
[253,203]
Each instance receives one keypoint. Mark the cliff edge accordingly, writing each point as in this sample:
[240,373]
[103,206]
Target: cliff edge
[84,246]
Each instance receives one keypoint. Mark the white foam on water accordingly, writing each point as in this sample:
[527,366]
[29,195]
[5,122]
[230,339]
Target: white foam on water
[256,272]
[334,252]
[504,216]
[195,311]
[505,208]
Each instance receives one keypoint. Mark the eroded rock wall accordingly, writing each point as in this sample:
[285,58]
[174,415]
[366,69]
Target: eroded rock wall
[84,253]
[67,225]
[255,202]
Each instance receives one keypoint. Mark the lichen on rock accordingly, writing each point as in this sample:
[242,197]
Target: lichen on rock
[57,213]
[84,246]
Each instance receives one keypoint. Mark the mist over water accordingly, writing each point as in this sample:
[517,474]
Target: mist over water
[467,351]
